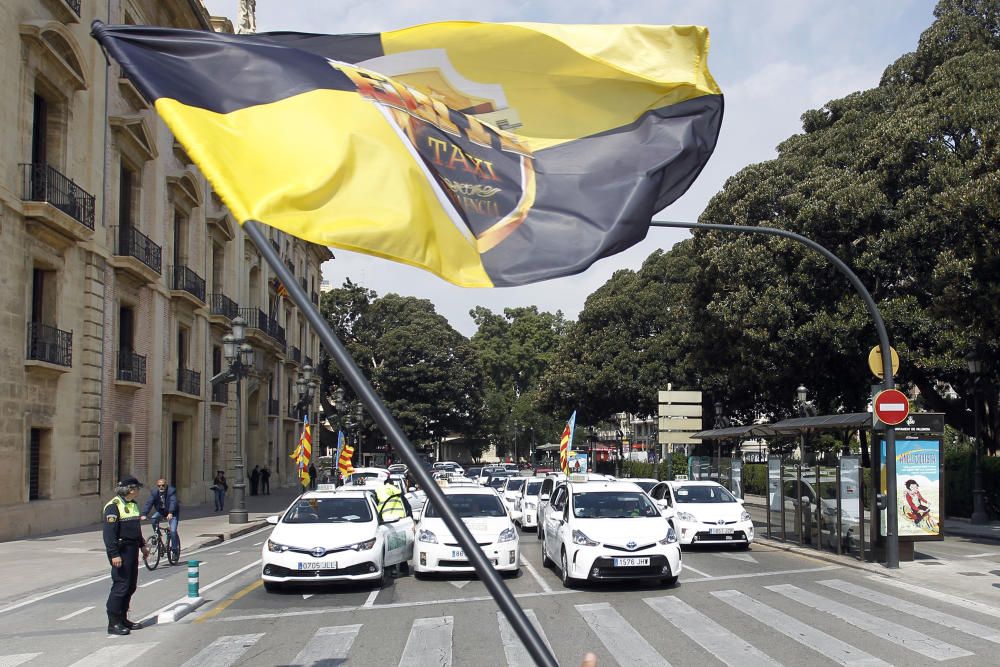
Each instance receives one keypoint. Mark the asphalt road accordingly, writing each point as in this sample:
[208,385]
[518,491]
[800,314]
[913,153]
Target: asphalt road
[757,607]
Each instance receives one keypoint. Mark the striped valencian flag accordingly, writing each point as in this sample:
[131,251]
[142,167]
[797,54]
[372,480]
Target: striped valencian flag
[344,462]
[565,443]
[304,450]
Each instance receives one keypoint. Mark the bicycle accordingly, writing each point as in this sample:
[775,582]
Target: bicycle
[159,544]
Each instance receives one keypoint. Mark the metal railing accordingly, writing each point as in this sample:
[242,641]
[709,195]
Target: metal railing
[223,305]
[295,354]
[49,344]
[42,182]
[183,278]
[272,406]
[188,381]
[258,319]
[74,5]
[220,393]
[130,242]
[131,366]
[278,333]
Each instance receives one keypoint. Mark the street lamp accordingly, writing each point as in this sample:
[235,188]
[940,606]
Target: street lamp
[305,384]
[977,369]
[239,356]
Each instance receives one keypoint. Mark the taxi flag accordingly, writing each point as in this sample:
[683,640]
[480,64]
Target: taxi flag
[566,442]
[344,462]
[304,451]
[490,154]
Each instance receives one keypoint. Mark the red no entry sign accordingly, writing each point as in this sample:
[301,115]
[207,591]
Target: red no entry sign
[891,406]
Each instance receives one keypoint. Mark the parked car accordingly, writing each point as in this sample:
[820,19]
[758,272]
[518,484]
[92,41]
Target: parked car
[705,512]
[509,491]
[448,466]
[326,536]
[526,503]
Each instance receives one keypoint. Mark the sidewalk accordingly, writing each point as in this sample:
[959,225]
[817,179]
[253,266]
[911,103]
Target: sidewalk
[42,563]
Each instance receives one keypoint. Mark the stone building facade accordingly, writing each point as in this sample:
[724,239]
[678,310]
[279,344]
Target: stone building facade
[120,272]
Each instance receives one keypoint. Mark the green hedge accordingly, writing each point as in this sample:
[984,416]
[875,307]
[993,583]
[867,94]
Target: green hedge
[959,482]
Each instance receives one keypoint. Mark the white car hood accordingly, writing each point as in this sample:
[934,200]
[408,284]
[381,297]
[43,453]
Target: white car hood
[328,535]
[641,530]
[712,512]
[484,529]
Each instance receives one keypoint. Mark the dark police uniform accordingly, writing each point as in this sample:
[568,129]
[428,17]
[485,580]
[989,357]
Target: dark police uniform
[122,537]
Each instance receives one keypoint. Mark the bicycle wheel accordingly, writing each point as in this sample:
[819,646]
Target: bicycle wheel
[153,559]
[172,556]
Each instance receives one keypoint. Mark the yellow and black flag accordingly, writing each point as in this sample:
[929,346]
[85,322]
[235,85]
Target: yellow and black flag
[489,154]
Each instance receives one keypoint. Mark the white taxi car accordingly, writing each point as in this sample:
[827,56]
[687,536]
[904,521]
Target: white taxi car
[509,491]
[327,536]
[706,513]
[435,549]
[526,503]
[598,530]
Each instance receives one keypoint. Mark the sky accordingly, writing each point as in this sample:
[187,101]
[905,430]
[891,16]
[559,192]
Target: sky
[773,60]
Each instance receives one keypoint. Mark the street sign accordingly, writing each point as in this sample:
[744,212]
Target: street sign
[875,361]
[891,406]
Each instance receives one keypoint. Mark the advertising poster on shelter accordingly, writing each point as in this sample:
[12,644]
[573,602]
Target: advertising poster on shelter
[918,487]
[577,462]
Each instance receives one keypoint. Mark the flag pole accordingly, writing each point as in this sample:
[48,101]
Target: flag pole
[385,421]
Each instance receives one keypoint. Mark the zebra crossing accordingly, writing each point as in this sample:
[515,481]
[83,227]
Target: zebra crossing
[839,610]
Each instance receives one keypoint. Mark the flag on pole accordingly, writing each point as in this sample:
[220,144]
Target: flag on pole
[489,154]
[279,288]
[344,460]
[566,443]
[303,453]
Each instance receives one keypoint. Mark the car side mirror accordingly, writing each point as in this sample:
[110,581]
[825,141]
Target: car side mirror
[805,500]
[740,500]
[273,520]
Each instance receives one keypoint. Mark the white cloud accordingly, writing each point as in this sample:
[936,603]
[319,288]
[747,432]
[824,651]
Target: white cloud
[773,60]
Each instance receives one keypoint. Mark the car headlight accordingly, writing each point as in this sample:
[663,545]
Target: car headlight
[427,536]
[687,516]
[670,538]
[580,538]
[745,516]
[507,535]
[275,547]
[363,546]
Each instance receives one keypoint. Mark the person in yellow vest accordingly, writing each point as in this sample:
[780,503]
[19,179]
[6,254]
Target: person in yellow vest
[390,502]
[123,541]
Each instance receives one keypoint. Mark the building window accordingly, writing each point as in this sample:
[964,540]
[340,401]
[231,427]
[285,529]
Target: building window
[40,464]
[180,239]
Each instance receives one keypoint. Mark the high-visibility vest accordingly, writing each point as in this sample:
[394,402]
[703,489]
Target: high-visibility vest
[127,509]
[390,502]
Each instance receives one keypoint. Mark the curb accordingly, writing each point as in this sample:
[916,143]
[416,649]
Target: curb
[180,611]
[218,538]
[845,561]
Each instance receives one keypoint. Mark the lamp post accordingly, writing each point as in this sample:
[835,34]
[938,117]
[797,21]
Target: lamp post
[976,369]
[305,383]
[801,395]
[239,355]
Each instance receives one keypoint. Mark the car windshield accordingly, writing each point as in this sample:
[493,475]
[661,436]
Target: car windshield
[613,505]
[532,489]
[645,486]
[469,505]
[703,494]
[329,510]
[496,481]
[514,484]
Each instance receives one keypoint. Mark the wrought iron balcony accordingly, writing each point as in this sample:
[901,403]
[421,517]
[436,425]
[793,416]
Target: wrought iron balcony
[131,367]
[183,278]
[49,344]
[295,354]
[272,406]
[220,393]
[43,183]
[258,319]
[309,361]
[75,5]
[188,381]
[223,305]
[130,242]
[278,333]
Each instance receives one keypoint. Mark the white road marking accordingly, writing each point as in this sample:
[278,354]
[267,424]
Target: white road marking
[513,648]
[891,632]
[910,609]
[429,643]
[149,583]
[391,605]
[65,589]
[711,636]
[371,599]
[460,584]
[223,651]
[754,575]
[306,596]
[18,659]
[943,597]
[328,646]
[114,655]
[541,582]
[232,553]
[687,567]
[744,557]
[75,613]
[811,638]
[257,544]
[988,554]
[623,641]
[203,589]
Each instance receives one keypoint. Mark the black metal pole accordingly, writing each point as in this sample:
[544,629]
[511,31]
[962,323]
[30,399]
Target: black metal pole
[979,516]
[238,513]
[385,421]
[892,522]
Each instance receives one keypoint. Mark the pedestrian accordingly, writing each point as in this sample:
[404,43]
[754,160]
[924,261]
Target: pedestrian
[163,499]
[312,476]
[220,486]
[122,542]
[265,481]
[254,480]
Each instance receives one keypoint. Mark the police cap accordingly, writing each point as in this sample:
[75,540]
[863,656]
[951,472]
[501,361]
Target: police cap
[129,480]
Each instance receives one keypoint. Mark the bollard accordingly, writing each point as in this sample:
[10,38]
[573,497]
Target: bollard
[193,578]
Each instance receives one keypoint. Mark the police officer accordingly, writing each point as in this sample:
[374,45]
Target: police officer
[123,540]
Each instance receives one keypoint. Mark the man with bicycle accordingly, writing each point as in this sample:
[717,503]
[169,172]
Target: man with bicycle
[163,499]
[122,541]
